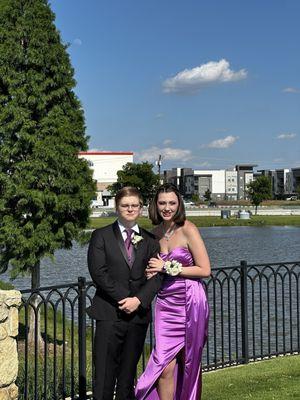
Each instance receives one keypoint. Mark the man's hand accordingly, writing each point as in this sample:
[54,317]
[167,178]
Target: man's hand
[149,274]
[129,304]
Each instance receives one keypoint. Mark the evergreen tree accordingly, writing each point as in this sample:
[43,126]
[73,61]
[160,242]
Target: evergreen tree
[207,195]
[196,198]
[259,190]
[139,175]
[45,189]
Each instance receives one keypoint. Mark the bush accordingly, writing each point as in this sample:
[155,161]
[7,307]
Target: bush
[6,286]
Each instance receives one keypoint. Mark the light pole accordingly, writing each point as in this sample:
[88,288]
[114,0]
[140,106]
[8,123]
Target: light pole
[158,163]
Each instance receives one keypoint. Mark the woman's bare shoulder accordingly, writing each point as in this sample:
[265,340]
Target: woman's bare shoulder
[189,227]
[190,231]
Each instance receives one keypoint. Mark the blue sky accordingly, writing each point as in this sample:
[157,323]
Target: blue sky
[206,84]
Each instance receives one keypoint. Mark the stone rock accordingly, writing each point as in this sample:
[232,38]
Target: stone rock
[3,312]
[13,391]
[8,361]
[12,322]
[13,298]
[9,393]
[4,394]
[3,332]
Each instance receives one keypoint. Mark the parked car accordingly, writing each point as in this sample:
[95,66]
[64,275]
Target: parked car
[95,204]
[189,204]
[291,198]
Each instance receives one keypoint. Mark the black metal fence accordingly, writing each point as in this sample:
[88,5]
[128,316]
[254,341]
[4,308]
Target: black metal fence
[255,313]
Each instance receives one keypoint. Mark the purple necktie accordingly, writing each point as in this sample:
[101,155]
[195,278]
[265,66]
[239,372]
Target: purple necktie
[128,244]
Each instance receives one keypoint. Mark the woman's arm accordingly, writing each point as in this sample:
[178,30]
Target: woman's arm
[195,244]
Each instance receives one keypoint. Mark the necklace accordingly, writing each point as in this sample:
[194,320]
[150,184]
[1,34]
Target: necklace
[167,235]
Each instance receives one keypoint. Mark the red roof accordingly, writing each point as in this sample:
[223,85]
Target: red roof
[104,153]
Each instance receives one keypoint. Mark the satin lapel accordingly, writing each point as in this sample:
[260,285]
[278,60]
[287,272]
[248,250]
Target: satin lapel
[120,241]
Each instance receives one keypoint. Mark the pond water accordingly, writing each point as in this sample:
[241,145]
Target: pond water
[226,246]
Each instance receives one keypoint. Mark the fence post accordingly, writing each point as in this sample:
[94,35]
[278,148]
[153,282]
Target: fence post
[82,336]
[244,312]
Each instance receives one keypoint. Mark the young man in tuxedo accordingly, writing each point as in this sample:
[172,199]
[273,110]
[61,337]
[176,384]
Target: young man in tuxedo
[118,255]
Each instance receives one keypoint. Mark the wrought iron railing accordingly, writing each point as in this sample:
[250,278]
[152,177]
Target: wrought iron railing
[254,314]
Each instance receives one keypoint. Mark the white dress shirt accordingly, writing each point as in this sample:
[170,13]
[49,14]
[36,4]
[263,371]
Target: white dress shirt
[135,228]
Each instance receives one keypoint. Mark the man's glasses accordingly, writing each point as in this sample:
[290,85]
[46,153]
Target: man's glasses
[127,206]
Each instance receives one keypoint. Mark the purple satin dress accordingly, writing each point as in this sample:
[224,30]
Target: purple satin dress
[181,322]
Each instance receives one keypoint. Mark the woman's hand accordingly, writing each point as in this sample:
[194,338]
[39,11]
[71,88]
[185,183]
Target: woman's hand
[155,264]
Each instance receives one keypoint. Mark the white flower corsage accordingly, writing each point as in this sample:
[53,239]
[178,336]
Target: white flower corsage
[172,268]
[136,240]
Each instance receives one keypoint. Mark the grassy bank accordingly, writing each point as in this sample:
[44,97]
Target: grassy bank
[57,360]
[259,220]
[274,379]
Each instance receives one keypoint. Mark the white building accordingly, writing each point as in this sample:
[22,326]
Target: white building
[223,184]
[105,165]
[214,180]
[231,185]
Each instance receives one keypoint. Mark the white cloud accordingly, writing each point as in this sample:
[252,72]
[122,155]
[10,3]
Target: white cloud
[159,115]
[167,153]
[167,141]
[77,42]
[286,136]
[192,80]
[204,164]
[291,90]
[222,143]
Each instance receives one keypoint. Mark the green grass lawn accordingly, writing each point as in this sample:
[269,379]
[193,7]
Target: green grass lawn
[275,379]
[259,220]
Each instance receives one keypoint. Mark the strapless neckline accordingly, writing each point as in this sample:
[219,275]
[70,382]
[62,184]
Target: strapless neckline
[175,248]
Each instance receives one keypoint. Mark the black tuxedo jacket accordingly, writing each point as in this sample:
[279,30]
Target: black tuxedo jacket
[116,279]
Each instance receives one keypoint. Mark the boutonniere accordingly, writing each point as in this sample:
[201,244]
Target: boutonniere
[136,240]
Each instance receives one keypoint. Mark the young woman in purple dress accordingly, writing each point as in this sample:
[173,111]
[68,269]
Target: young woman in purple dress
[181,310]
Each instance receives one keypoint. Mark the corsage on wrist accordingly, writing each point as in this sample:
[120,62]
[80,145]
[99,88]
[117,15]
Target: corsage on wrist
[172,268]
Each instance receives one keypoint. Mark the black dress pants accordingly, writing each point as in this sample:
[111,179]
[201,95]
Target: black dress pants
[118,346]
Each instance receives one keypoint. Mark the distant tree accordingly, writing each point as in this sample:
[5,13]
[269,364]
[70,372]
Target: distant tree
[207,195]
[195,198]
[139,175]
[298,191]
[259,190]
[45,189]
